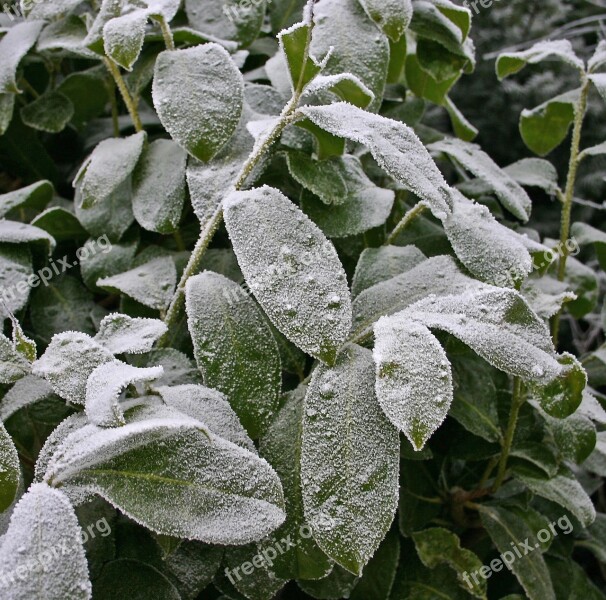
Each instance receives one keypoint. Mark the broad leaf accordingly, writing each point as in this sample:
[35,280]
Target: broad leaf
[349,461]
[10,470]
[123,37]
[534,172]
[234,348]
[35,196]
[13,47]
[122,334]
[206,76]
[292,269]
[50,112]
[392,17]
[13,365]
[414,380]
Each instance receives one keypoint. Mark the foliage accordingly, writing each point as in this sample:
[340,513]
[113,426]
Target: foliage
[314,342]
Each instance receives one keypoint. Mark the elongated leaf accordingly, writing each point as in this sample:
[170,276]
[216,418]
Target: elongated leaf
[109,166]
[234,348]
[349,461]
[395,146]
[281,446]
[16,273]
[206,76]
[164,471]
[67,363]
[293,43]
[346,86]
[393,17]
[292,269]
[599,81]
[10,470]
[211,408]
[122,334]
[13,47]
[512,62]
[159,187]
[414,380]
[43,542]
[7,106]
[506,526]
[475,160]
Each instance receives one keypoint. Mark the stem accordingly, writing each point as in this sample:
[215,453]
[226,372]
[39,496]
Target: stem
[516,403]
[112,99]
[407,219]
[167,34]
[573,165]
[130,104]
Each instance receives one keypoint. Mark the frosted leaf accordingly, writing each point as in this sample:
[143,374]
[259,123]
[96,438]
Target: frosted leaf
[596,150]
[13,365]
[563,489]
[414,378]
[364,207]
[42,549]
[28,390]
[546,295]
[291,268]
[534,172]
[227,19]
[105,386]
[10,470]
[15,44]
[15,271]
[49,10]
[596,462]
[191,567]
[162,470]
[209,182]
[474,159]
[599,57]
[159,186]
[65,35]
[37,196]
[234,348]
[178,368]
[210,407]
[111,216]
[111,261]
[352,36]
[345,85]
[392,16]
[491,251]
[281,446]
[67,363]
[263,99]
[7,106]
[591,408]
[599,81]
[163,8]
[51,112]
[122,334]
[123,37]
[206,77]
[499,326]
[349,461]
[509,63]
[107,168]
[152,284]
[380,264]
[394,145]
[439,276]
[14,232]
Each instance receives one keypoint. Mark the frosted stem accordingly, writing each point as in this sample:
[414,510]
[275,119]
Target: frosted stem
[130,104]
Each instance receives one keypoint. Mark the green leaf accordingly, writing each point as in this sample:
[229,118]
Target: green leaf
[14,232]
[50,112]
[380,264]
[419,503]
[13,47]
[392,16]
[395,147]
[152,284]
[7,105]
[509,63]
[108,168]
[192,566]
[67,363]
[474,159]
[437,545]
[13,365]
[507,525]
[534,172]
[164,471]
[352,35]
[545,127]
[293,43]
[234,348]
[230,19]
[128,578]
[10,470]
[159,187]
[463,129]
[345,85]
[88,92]
[44,540]
[15,273]
[291,268]
[407,358]
[349,461]
[575,436]
[337,584]
[599,81]
[284,13]
[423,84]
[281,446]
[35,196]
[65,36]
[582,280]
[122,334]
[206,76]
[123,37]
[585,234]
[428,21]
[563,489]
